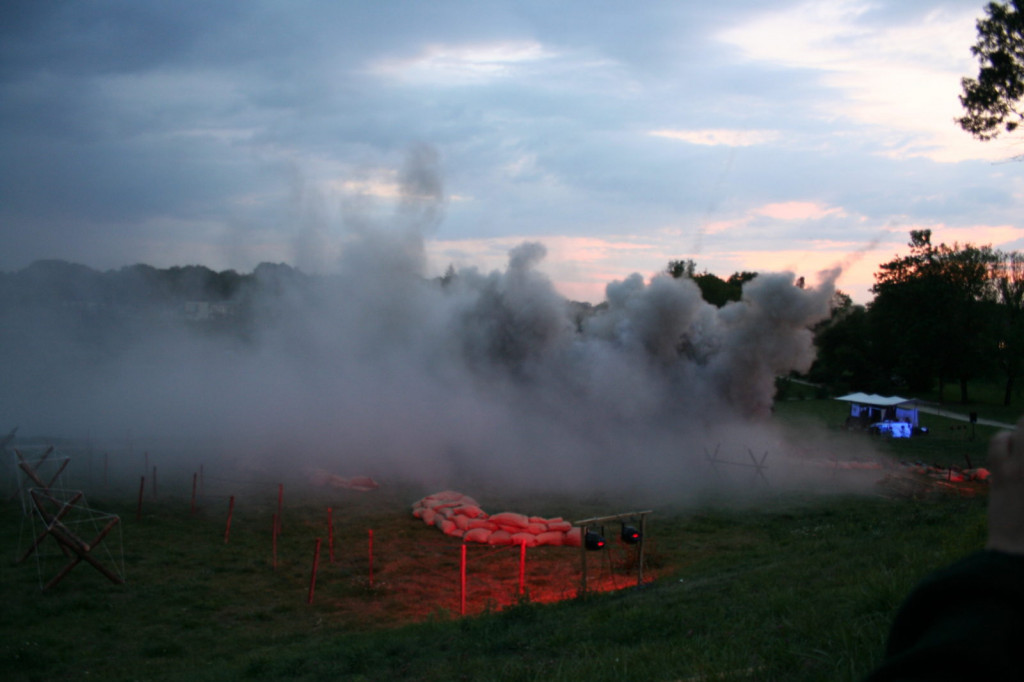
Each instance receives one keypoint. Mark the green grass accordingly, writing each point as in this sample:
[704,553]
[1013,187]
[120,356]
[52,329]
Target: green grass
[794,587]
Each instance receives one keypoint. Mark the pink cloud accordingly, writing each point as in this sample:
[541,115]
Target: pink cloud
[799,210]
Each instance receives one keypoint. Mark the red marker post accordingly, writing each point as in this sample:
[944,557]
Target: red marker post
[522,568]
[462,582]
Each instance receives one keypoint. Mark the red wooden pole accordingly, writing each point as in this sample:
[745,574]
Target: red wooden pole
[142,488]
[330,534]
[371,557]
[227,527]
[312,577]
[522,567]
[462,582]
[194,476]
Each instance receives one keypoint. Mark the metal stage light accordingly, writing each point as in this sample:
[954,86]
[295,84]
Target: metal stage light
[593,540]
[630,535]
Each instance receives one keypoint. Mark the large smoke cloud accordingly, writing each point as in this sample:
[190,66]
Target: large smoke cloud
[490,377]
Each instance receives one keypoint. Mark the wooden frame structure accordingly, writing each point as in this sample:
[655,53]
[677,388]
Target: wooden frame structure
[60,512]
[32,468]
[758,465]
[585,524]
[52,511]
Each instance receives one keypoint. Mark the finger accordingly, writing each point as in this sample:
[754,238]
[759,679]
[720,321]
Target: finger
[1003,462]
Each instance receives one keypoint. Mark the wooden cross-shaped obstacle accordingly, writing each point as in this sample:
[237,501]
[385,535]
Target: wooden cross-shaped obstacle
[71,545]
[757,464]
[32,468]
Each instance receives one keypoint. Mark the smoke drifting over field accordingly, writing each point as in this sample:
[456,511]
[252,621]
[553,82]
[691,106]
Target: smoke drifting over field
[482,376]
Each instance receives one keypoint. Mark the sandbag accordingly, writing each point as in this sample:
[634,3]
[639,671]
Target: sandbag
[553,538]
[471,510]
[572,537]
[447,495]
[511,519]
[481,535]
[528,539]
[500,537]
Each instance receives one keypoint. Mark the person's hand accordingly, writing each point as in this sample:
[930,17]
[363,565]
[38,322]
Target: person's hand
[1006,491]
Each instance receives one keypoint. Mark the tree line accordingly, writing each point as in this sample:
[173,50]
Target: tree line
[941,315]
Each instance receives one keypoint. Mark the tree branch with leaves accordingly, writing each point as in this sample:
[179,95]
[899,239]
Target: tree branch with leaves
[992,100]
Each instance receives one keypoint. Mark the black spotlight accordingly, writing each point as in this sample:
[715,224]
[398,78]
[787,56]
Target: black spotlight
[630,535]
[593,540]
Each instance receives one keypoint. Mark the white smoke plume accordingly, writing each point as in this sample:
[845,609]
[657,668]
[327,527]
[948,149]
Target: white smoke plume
[480,377]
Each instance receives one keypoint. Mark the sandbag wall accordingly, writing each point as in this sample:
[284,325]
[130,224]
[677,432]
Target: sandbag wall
[460,516]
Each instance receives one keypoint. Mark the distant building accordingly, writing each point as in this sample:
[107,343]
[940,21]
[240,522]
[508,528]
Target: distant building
[201,311]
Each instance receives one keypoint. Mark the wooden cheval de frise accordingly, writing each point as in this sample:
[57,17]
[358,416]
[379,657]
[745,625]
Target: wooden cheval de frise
[52,507]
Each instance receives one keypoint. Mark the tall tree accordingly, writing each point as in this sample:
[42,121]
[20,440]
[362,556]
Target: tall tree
[1008,278]
[845,349]
[930,312]
[992,100]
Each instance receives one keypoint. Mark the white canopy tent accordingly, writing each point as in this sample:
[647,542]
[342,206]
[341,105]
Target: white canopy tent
[871,408]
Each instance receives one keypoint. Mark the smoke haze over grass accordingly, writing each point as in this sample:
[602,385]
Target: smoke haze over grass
[379,370]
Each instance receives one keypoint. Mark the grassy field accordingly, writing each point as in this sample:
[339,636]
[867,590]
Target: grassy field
[791,586]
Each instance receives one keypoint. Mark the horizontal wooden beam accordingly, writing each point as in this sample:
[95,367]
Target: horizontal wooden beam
[613,517]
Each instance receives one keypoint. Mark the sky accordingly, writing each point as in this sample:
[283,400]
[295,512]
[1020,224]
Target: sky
[796,138]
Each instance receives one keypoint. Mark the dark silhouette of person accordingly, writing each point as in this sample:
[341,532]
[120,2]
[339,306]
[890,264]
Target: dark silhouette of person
[966,621]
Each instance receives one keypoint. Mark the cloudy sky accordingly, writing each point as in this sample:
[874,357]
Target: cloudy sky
[620,135]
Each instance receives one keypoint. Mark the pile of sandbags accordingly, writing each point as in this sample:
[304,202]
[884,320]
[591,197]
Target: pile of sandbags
[460,516]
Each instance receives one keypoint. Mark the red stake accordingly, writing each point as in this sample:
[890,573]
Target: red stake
[330,534]
[522,567]
[194,476]
[227,527]
[142,488]
[312,578]
[462,582]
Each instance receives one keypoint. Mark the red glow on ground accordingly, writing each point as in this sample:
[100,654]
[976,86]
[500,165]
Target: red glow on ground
[417,577]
